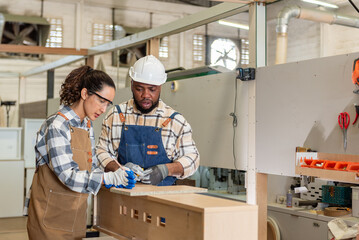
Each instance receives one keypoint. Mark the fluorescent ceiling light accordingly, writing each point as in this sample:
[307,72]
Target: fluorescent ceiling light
[232,24]
[324,4]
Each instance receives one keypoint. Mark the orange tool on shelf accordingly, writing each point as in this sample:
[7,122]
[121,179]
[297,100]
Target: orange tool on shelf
[353,167]
[355,74]
[317,164]
[307,162]
[341,166]
[329,165]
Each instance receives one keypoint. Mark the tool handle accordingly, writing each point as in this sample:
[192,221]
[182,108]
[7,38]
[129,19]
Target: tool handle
[340,121]
[356,118]
[343,120]
[346,120]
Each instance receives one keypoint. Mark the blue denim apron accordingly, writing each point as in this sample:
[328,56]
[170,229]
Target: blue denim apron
[142,145]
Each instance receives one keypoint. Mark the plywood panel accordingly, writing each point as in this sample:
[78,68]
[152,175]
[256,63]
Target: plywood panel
[297,104]
[206,103]
[143,189]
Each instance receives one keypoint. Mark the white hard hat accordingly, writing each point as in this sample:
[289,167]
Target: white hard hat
[148,70]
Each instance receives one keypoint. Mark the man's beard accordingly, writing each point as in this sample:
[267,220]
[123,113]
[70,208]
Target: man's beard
[145,111]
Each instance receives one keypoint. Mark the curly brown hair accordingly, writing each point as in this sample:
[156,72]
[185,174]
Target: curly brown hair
[83,77]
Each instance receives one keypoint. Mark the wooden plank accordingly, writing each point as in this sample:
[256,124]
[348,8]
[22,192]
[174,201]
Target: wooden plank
[200,202]
[341,176]
[262,181]
[233,224]
[144,189]
[338,157]
[16,224]
[41,50]
[90,61]
[153,47]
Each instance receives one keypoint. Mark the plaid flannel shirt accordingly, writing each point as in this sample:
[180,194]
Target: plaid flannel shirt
[54,136]
[176,136]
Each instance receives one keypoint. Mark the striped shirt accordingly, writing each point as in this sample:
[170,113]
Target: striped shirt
[176,136]
[54,137]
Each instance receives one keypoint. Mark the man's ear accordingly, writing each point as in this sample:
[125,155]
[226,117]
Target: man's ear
[84,94]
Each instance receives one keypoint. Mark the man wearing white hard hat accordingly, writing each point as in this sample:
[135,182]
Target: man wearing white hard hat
[146,135]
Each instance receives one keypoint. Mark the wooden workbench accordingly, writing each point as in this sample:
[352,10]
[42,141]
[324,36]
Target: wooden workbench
[182,214]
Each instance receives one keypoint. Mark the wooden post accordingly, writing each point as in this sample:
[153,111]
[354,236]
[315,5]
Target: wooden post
[153,47]
[90,61]
[50,83]
[262,181]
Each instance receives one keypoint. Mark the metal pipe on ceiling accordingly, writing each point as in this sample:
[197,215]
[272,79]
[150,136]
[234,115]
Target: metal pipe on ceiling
[316,15]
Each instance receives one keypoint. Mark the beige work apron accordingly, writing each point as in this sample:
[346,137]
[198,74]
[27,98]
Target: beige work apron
[55,211]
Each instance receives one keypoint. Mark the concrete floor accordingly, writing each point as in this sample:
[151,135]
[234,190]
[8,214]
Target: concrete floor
[13,228]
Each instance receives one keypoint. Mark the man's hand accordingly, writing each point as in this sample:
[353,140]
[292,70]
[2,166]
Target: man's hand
[136,169]
[121,178]
[154,175]
[112,166]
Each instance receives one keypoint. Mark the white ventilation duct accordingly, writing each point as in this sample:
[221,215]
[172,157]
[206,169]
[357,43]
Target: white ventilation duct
[308,14]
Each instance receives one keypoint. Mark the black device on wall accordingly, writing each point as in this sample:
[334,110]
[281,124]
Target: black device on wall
[7,105]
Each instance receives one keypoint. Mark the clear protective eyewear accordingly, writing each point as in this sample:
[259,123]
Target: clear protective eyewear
[104,101]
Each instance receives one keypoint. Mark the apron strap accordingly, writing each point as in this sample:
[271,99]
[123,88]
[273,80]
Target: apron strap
[122,117]
[88,126]
[168,120]
[62,115]
[38,160]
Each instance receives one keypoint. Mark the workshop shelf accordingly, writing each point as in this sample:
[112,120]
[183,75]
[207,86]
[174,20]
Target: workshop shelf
[336,167]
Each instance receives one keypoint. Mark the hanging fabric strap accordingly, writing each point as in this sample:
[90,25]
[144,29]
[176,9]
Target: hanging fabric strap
[62,115]
[122,117]
[168,120]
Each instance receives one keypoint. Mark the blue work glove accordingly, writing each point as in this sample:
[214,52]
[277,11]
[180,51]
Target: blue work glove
[138,170]
[121,178]
[154,175]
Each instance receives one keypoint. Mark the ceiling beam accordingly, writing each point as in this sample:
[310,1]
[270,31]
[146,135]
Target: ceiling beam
[208,15]
[56,64]
[243,1]
[41,50]
[189,22]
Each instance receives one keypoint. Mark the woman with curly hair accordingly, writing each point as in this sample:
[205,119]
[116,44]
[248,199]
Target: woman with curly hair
[66,166]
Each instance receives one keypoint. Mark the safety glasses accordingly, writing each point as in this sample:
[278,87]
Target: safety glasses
[103,101]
